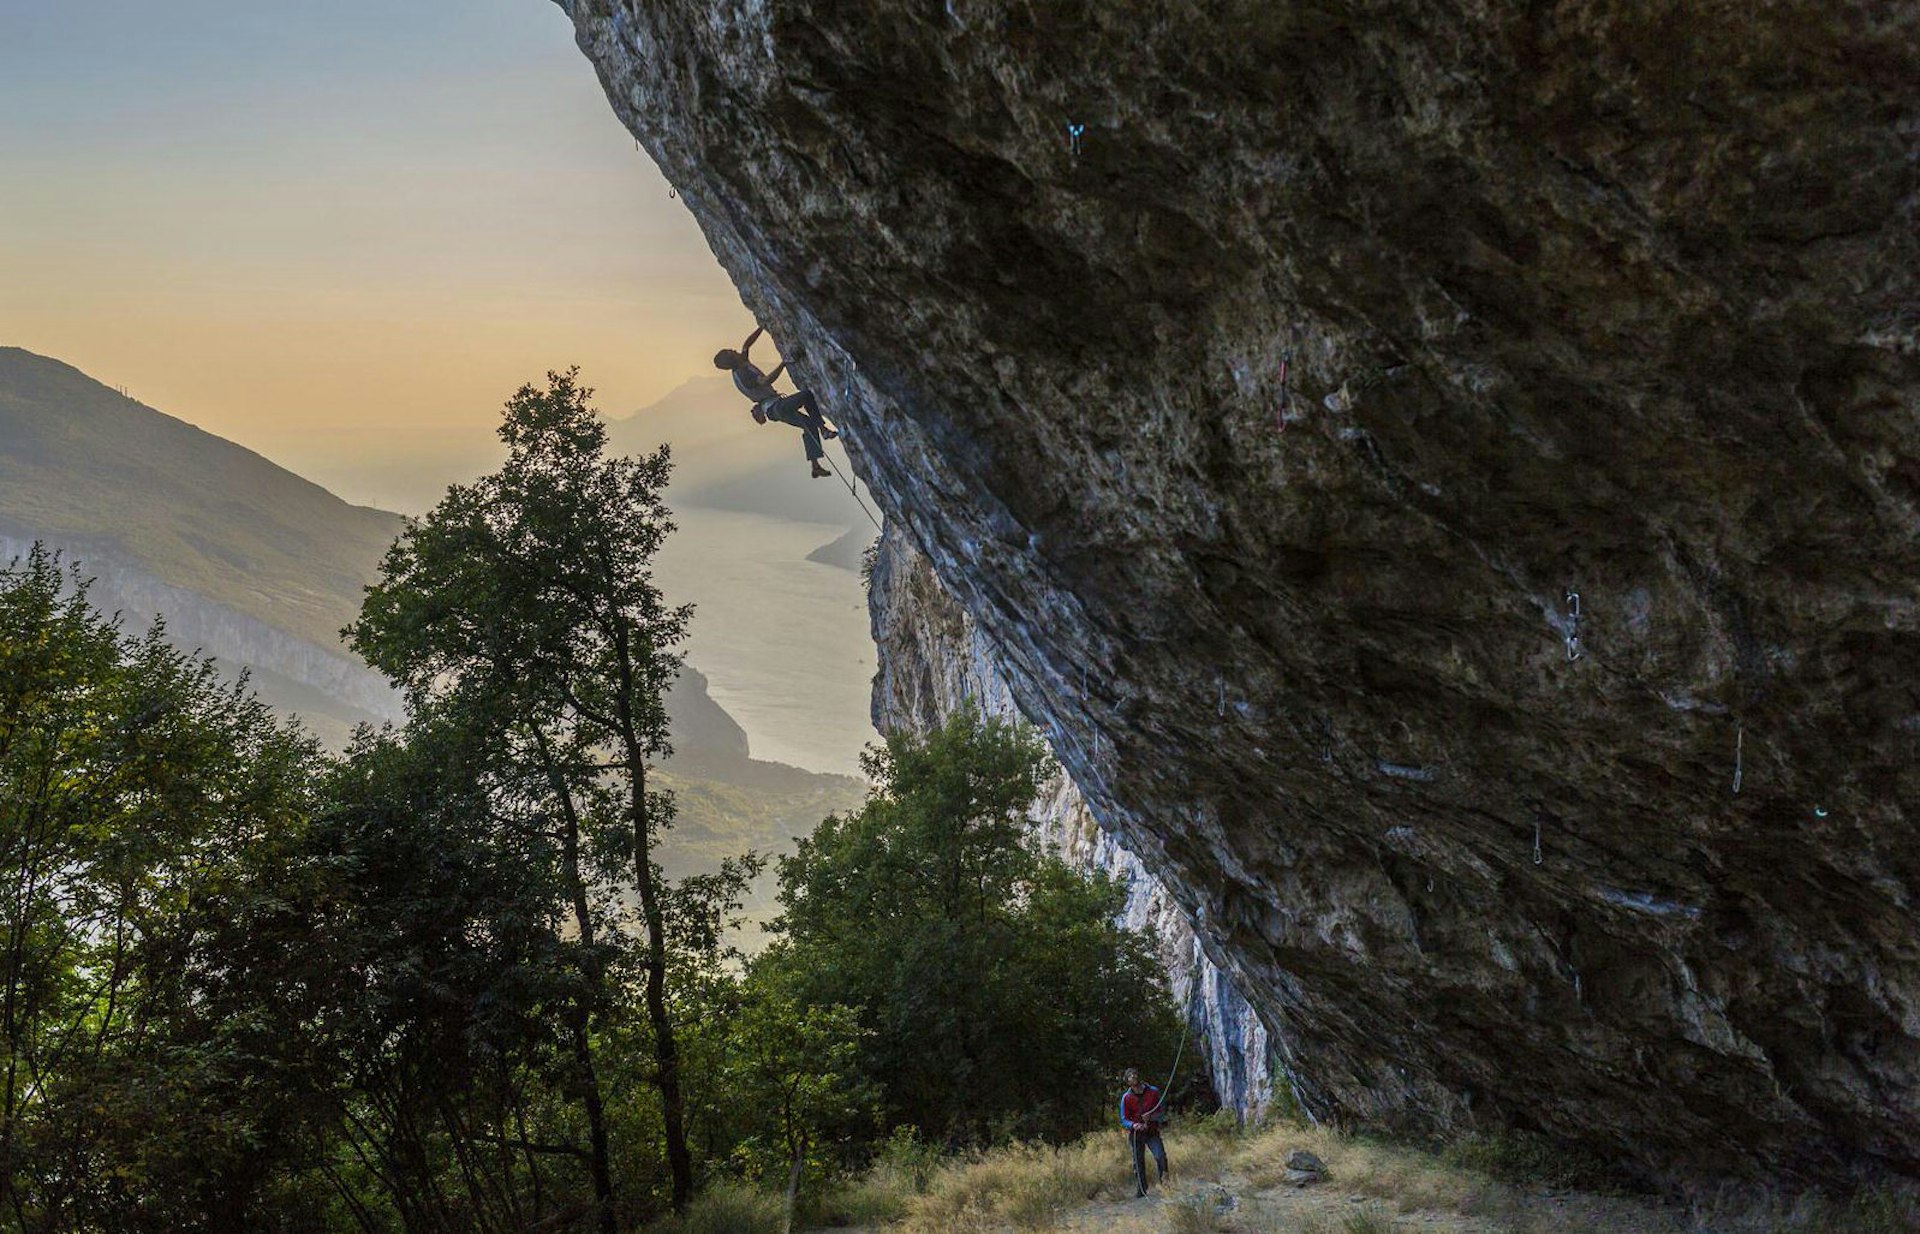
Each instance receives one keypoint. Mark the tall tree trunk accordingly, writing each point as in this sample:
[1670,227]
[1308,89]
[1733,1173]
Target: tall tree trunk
[596,1123]
[579,1024]
[793,1191]
[666,1053]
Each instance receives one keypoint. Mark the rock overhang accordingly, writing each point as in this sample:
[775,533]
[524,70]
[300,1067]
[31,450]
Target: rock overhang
[1575,300]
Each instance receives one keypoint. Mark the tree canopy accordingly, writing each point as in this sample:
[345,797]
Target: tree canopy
[996,991]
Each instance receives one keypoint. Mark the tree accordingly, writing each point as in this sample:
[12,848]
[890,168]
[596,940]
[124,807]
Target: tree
[452,989]
[801,1060]
[996,992]
[525,605]
[146,810]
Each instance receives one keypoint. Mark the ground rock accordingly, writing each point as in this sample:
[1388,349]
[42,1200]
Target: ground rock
[1531,729]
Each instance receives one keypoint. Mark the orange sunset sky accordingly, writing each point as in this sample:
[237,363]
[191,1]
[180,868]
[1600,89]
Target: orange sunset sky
[340,234]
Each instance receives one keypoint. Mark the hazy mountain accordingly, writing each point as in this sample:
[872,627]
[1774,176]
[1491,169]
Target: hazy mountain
[849,552]
[242,558]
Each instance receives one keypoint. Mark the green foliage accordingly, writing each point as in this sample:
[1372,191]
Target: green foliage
[442,982]
[997,994]
[522,613]
[149,826]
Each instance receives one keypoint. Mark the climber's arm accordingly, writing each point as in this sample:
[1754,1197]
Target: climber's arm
[746,346]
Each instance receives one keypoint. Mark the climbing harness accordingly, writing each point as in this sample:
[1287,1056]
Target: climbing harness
[850,488]
[1573,626]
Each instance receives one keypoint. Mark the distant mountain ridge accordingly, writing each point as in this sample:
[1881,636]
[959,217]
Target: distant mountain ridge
[111,478]
[243,560]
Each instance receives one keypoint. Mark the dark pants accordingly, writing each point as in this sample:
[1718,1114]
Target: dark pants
[803,413]
[1145,1142]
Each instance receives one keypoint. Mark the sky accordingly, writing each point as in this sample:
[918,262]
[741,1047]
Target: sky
[339,233]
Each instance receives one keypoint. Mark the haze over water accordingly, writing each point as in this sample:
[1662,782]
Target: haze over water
[781,639]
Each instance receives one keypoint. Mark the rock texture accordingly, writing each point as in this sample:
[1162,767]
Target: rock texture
[933,661]
[1581,297]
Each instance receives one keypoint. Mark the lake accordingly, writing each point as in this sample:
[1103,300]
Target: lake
[784,641]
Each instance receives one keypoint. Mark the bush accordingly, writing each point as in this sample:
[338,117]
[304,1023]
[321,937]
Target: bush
[910,1159]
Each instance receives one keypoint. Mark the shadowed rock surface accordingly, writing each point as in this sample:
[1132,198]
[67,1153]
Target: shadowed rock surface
[1614,300]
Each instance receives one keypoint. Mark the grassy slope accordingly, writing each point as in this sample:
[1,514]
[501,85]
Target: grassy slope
[1226,1181]
[81,464]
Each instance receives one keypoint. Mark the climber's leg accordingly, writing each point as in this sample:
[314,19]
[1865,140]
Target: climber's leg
[803,413]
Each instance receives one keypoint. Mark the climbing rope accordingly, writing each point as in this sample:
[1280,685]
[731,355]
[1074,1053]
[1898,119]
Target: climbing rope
[843,479]
[1186,1026]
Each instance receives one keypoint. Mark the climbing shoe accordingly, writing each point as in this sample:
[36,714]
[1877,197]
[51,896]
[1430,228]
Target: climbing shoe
[819,471]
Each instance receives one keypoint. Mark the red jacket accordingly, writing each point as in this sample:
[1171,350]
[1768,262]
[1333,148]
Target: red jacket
[1140,1109]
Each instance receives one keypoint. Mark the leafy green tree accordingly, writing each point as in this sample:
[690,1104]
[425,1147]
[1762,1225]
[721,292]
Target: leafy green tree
[453,988]
[996,993]
[148,812]
[525,606]
[802,1061]
[779,1081]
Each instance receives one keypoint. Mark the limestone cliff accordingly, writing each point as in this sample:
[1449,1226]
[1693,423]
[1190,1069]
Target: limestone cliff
[933,661]
[1520,689]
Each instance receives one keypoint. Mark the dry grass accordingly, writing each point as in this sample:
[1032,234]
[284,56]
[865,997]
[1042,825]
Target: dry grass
[1025,1188]
[875,1199]
[729,1208]
[1872,1210]
[1372,1188]
[1404,1178]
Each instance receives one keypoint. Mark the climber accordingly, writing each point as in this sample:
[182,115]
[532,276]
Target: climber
[798,409]
[1140,1115]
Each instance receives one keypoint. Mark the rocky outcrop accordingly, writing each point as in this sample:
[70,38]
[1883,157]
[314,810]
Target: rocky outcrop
[1520,688]
[933,662]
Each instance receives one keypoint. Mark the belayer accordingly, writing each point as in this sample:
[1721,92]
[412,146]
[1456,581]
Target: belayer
[1140,1115]
[798,409]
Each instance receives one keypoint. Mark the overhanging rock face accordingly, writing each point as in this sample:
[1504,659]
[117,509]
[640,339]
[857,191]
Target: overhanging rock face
[1610,300]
